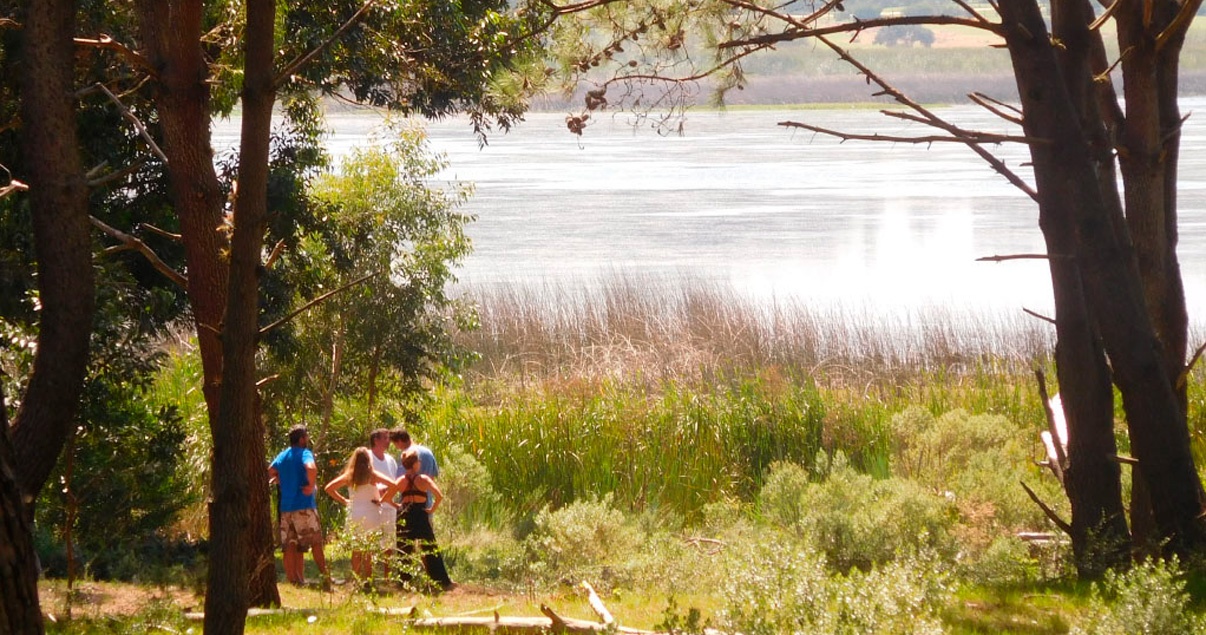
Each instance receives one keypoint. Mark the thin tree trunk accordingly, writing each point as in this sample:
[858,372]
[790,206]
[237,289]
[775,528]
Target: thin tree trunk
[328,395]
[262,590]
[226,599]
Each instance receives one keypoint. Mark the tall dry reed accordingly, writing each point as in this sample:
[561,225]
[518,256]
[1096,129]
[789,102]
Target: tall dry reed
[687,329]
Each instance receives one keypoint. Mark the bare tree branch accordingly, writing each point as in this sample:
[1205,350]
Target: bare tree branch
[1050,513]
[962,134]
[301,60]
[1179,24]
[128,116]
[276,253]
[13,184]
[971,11]
[1057,439]
[998,108]
[850,136]
[113,176]
[162,232]
[1184,376]
[994,162]
[131,242]
[1049,320]
[1021,257]
[315,301]
[1105,15]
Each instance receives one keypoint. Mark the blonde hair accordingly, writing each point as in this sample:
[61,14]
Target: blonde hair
[360,467]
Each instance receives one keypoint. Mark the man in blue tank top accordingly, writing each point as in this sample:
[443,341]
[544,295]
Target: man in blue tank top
[296,472]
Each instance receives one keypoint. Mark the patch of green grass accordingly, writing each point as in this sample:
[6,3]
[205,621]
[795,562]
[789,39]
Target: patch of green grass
[1030,609]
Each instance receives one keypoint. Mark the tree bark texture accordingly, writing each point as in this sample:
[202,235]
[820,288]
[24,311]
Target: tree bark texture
[235,429]
[58,196]
[171,33]
[1072,199]
[1148,153]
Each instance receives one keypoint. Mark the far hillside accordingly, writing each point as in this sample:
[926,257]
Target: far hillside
[938,64]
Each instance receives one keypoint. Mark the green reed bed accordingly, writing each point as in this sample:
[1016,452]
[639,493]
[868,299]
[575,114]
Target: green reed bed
[677,448]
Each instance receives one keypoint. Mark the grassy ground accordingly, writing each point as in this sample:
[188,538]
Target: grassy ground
[105,607]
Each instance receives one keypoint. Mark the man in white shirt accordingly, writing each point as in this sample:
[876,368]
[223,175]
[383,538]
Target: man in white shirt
[385,463]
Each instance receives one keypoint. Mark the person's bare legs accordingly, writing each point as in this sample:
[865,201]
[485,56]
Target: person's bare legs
[362,565]
[294,571]
[320,560]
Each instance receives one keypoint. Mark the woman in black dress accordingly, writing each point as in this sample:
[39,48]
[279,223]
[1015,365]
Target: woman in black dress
[415,520]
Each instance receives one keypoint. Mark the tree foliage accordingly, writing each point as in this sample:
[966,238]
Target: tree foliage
[379,217]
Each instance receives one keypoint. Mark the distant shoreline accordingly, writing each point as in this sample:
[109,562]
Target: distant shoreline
[853,90]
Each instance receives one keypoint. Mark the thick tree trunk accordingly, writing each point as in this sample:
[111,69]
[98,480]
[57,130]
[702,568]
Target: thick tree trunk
[59,198]
[1070,192]
[62,242]
[226,599]
[1053,105]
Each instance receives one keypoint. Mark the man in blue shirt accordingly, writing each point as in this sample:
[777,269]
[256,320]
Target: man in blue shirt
[296,472]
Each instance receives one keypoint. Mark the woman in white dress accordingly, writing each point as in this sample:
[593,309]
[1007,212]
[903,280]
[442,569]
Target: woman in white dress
[364,502]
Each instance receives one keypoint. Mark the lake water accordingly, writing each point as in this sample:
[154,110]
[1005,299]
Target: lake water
[775,213]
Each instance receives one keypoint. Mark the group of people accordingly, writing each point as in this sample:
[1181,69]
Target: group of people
[388,504]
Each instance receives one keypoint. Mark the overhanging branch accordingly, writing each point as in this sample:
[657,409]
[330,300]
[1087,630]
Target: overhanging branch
[315,301]
[301,60]
[931,119]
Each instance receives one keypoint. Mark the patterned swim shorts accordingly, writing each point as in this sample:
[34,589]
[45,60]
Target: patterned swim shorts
[301,528]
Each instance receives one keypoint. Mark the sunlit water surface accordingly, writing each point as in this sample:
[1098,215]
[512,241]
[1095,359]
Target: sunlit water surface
[774,213]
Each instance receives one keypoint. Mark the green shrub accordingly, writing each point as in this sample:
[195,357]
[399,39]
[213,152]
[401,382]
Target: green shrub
[580,540]
[980,459]
[857,521]
[774,588]
[1149,599]
[469,496]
